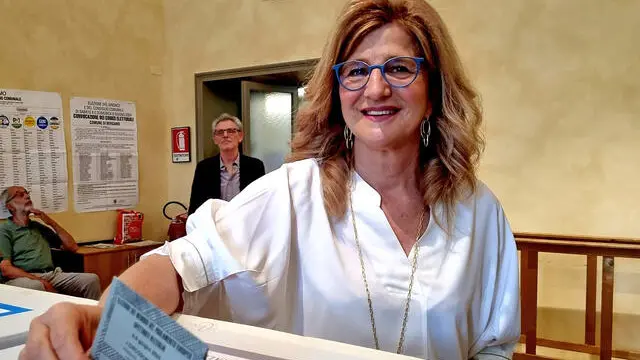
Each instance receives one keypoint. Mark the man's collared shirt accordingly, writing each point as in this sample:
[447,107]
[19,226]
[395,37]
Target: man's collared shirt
[28,247]
[229,182]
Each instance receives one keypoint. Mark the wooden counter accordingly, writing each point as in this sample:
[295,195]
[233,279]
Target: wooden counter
[105,262]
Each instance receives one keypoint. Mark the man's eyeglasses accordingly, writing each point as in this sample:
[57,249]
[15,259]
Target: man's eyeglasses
[221,132]
[19,193]
[398,72]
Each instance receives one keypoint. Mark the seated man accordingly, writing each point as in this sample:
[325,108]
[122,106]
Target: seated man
[25,254]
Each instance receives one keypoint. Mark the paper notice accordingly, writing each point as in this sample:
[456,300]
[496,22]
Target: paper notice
[104,144]
[32,147]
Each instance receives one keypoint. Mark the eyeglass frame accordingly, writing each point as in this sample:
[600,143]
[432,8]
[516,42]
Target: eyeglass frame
[222,132]
[20,194]
[370,68]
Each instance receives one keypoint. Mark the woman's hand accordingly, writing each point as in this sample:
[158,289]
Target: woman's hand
[65,331]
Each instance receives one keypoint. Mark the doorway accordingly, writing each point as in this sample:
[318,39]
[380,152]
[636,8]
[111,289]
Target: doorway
[265,98]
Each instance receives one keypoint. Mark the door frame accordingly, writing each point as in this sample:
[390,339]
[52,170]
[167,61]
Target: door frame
[244,72]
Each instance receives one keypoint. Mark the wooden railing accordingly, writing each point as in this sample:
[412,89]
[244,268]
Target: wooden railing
[530,245]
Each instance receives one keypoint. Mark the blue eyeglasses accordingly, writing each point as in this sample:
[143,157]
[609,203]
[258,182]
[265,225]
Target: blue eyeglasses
[398,72]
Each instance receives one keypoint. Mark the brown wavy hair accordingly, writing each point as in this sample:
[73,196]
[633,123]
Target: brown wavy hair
[449,163]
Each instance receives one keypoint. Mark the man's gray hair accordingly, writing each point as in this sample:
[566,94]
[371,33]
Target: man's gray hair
[223,117]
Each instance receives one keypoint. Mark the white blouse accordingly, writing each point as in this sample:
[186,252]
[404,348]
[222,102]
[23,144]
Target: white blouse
[273,258]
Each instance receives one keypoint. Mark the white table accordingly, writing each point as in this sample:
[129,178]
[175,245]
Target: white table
[236,342]
[240,342]
[14,327]
[11,353]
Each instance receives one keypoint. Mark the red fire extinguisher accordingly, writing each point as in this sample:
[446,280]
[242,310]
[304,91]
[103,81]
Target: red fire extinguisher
[178,226]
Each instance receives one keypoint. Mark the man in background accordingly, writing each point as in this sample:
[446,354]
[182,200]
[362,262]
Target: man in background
[223,176]
[25,250]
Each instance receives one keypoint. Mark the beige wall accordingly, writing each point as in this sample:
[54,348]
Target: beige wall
[560,86]
[95,49]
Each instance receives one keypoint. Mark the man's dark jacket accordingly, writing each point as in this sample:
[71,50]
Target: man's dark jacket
[206,180]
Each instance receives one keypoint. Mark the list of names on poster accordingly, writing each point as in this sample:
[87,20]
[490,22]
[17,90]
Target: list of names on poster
[32,146]
[104,143]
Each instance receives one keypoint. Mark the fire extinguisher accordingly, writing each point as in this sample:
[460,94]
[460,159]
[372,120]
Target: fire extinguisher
[178,226]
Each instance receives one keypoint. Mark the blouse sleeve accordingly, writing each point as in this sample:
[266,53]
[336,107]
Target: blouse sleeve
[501,300]
[251,233]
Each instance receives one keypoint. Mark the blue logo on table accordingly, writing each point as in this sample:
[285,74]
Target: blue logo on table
[42,122]
[6,310]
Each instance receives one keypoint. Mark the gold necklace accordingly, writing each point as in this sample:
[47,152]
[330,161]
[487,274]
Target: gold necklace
[366,284]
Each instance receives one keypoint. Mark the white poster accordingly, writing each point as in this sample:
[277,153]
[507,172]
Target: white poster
[104,143]
[32,147]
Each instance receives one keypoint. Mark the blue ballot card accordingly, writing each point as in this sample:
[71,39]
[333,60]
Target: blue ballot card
[131,328]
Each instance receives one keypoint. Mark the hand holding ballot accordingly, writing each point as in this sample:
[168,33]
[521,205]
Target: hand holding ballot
[126,327]
[67,331]
[130,328]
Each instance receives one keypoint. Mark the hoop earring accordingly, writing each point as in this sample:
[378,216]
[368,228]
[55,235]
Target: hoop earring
[348,137]
[425,133]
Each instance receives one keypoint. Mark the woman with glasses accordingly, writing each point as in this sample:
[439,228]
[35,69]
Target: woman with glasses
[377,233]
